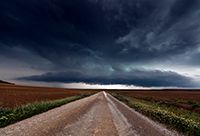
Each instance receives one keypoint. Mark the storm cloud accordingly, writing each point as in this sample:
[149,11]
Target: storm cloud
[154,78]
[102,41]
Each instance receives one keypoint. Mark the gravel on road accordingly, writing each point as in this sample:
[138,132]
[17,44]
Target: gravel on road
[98,115]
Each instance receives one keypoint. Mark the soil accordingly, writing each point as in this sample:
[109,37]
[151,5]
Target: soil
[14,95]
[97,115]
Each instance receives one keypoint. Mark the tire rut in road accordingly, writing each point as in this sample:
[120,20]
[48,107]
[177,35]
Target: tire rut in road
[52,121]
[140,123]
[96,122]
[124,128]
[98,115]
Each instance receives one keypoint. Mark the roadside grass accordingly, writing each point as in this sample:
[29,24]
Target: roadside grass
[188,104]
[184,121]
[12,115]
[193,104]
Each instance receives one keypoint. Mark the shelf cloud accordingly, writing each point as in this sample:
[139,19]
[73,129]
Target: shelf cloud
[140,42]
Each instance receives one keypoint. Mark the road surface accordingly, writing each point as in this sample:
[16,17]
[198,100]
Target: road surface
[97,115]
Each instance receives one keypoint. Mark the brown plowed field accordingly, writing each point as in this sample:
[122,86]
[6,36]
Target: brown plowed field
[188,95]
[185,99]
[14,95]
[98,115]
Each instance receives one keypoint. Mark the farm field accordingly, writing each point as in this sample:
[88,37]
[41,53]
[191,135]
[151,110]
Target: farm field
[184,121]
[14,95]
[186,99]
[175,108]
[100,111]
[165,94]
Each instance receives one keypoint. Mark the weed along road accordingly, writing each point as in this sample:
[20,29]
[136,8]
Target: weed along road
[97,115]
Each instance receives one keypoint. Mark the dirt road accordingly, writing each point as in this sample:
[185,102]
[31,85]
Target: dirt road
[97,115]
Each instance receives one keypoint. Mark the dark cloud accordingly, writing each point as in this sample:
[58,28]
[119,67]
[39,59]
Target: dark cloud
[99,35]
[137,77]
[181,9]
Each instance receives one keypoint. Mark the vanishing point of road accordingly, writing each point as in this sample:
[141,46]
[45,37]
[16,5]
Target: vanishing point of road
[97,115]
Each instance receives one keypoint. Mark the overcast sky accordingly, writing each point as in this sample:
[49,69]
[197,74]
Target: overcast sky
[145,43]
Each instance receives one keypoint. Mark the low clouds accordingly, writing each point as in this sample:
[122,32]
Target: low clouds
[153,78]
[97,37]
